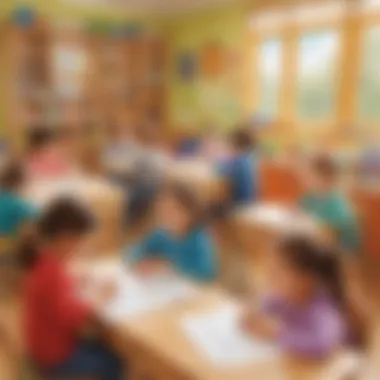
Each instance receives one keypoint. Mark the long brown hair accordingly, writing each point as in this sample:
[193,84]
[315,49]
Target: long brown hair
[324,263]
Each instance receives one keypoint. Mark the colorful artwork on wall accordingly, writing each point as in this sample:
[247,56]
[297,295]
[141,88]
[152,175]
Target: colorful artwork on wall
[24,17]
[212,60]
[187,66]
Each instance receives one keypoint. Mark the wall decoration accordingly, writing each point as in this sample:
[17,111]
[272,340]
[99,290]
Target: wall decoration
[213,60]
[187,66]
[24,17]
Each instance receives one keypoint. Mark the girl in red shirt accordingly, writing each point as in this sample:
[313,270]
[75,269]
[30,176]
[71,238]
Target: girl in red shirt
[54,316]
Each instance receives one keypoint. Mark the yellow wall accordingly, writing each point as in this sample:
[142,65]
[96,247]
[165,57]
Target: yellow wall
[218,101]
[64,9]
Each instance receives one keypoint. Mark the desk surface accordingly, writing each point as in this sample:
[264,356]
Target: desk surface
[164,343]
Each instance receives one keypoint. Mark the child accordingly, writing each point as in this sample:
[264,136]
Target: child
[325,202]
[120,144]
[240,173]
[148,174]
[45,157]
[181,241]
[16,216]
[305,314]
[15,213]
[54,316]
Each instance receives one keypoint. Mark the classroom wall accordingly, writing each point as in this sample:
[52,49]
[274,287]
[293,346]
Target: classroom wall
[217,100]
[69,10]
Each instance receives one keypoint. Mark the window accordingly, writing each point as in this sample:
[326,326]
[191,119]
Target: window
[369,86]
[270,70]
[316,76]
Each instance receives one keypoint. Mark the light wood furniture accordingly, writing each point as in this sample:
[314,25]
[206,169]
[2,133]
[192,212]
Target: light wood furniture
[157,348]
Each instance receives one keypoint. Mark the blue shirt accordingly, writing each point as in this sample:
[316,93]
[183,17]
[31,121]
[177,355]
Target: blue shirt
[193,254]
[335,211]
[14,213]
[241,173]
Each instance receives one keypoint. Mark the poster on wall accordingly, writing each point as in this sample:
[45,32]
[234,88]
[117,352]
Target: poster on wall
[212,60]
[187,66]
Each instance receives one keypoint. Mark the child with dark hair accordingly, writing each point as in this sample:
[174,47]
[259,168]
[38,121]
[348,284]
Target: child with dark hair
[305,311]
[181,241]
[240,172]
[55,318]
[45,157]
[327,203]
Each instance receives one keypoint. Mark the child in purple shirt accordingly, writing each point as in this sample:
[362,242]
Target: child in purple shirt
[306,314]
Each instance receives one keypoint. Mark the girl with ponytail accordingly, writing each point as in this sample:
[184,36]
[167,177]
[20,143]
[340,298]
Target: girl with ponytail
[307,311]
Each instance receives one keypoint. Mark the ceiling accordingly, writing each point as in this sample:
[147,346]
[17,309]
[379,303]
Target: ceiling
[153,6]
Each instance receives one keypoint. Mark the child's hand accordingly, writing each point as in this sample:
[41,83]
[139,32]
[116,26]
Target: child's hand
[151,267]
[261,326]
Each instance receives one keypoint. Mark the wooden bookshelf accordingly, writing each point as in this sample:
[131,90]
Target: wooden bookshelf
[27,79]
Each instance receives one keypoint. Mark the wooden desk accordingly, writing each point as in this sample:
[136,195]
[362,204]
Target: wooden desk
[157,348]
[104,200]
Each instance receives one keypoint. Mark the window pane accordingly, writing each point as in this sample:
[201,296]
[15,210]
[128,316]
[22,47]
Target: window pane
[316,84]
[270,65]
[369,91]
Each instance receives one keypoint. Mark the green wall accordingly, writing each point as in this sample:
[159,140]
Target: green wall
[207,100]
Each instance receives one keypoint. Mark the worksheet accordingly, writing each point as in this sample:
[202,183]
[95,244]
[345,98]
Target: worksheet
[137,295]
[219,337]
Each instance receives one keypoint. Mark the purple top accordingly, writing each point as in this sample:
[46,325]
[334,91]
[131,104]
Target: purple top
[316,329]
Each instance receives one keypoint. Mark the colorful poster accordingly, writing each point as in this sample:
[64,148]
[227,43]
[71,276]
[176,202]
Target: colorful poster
[187,66]
[212,60]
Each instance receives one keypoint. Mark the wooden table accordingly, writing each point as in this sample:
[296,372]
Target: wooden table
[157,348]
[104,200]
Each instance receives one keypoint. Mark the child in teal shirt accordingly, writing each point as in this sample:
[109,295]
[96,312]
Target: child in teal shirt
[15,212]
[181,242]
[15,216]
[325,202]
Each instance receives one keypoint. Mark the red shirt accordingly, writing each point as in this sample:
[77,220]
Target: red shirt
[53,314]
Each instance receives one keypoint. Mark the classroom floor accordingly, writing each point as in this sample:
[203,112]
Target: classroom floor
[10,340]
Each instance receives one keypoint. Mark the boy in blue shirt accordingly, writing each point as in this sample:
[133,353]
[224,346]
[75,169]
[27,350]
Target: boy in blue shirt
[240,173]
[180,242]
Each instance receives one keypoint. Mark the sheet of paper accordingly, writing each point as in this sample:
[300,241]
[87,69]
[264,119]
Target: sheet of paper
[137,295]
[218,336]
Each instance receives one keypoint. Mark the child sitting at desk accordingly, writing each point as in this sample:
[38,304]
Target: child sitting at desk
[305,314]
[45,156]
[240,173]
[181,241]
[329,205]
[55,317]
[16,214]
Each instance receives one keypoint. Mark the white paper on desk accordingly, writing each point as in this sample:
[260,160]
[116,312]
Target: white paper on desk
[138,295]
[219,337]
